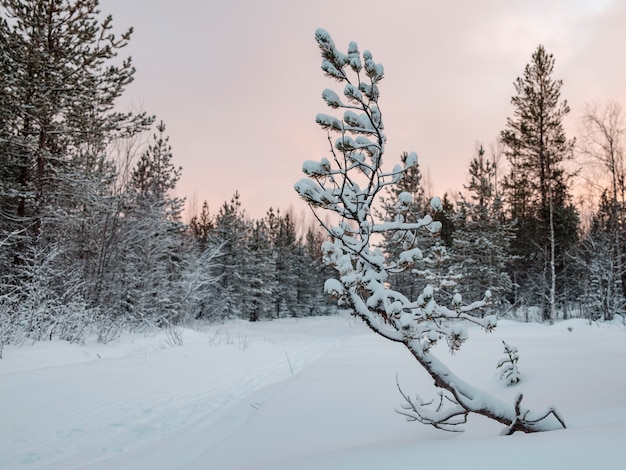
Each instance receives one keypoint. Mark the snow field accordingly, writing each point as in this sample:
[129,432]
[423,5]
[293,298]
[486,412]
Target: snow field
[227,399]
[63,404]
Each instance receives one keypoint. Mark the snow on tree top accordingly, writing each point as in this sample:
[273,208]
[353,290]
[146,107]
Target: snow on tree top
[411,160]
[436,204]
[405,198]
[315,169]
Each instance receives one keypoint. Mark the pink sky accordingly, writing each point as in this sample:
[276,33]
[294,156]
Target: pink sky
[238,83]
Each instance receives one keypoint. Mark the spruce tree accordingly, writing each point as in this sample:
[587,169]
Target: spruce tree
[482,238]
[286,246]
[153,235]
[231,233]
[316,271]
[256,274]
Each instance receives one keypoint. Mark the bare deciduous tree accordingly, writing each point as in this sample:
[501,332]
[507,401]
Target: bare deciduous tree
[602,147]
[604,251]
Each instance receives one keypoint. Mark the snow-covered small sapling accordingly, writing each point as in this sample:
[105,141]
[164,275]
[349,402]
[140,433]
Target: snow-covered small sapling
[509,372]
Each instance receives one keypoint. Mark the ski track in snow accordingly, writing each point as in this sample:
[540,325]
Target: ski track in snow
[62,414]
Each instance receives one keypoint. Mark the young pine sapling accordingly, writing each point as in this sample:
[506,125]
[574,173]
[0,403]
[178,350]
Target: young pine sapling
[349,184]
[509,372]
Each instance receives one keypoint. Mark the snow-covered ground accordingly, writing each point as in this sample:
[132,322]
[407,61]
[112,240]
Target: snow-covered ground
[315,393]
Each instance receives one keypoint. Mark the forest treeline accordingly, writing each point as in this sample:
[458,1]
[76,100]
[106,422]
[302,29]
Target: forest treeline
[516,228]
[92,238]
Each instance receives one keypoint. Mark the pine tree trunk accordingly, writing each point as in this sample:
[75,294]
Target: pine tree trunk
[552,264]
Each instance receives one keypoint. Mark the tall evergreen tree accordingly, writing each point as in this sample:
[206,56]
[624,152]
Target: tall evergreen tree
[153,234]
[256,275]
[58,88]
[232,230]
[315,271]
[537,187]
[154,178]
[59,91]
[286,246]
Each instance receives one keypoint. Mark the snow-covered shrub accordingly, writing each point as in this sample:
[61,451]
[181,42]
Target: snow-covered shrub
[349,185]
[509,373]
[7,325]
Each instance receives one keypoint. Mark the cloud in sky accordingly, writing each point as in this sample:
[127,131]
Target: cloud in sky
[238,83]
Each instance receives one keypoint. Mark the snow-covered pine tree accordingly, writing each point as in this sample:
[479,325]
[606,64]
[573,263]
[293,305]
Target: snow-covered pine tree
[602,271]
[437,259]
[482,238]
[153,236]
[59,86]
[199,279]
[201,275]
[201,225]
[509,372]
[288,255]
[348,184]
[315,271]
[232,230]
[256,275]
[288,252]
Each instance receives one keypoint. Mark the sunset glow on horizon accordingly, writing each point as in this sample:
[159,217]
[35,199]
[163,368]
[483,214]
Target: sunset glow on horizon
[238,83]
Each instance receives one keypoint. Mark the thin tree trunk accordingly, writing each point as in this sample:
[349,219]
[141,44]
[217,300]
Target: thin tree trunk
[552,263]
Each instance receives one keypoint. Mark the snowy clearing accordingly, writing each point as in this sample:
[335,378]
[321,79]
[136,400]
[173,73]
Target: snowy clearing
[315,393]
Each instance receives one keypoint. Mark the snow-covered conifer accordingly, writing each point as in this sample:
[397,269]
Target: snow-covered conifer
[482,238]
[256,274]
[509,373]
[232,229]
[537,189]
[201,225]
[60,81]
[350,189]
[153,236]
[602,271]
